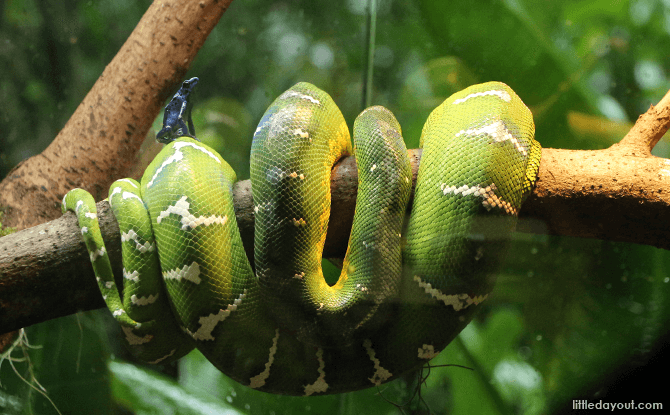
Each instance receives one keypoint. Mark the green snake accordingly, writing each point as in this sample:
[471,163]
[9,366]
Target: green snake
[408,286]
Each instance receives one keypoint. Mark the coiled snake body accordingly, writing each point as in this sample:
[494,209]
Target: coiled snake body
[406,290]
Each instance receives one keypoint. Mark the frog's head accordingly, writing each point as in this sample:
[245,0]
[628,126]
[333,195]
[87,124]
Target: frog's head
[188,85]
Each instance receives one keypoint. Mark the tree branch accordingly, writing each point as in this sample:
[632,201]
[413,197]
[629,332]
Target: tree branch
[100,141]
[615,194]
[620,193]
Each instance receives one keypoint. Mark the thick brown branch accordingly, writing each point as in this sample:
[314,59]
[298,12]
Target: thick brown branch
[601,194]
[646,132]
[619,194]
[100,141]
[45,271]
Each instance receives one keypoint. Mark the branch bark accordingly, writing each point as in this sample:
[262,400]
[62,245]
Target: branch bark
[619,194]
[99,143]
[101,140]
[616,194]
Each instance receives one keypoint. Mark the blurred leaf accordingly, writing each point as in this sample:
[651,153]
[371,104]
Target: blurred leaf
[225,125]
[68,358]
[588,306]
[524,58]
[593,127]
[426,88]
[147,392]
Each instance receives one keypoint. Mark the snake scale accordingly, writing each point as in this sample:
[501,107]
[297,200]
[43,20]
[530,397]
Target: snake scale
[408,286]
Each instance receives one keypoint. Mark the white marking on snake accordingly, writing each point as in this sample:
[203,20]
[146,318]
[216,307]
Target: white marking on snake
[130,182]
[320,385]
[131,235]
[174,157]
[187,331]
[490,199]
[188,220]
[208,323]
[143,300]
[361,287]
[188,272]
[500,94]
[79,204]
[160,359]
[427,352]
[264,122]
[109,284]
[129,195]
[374,166]
[134,339]
[84,229]
[259,380]
[302,133]
[133,276]
[179,145]
[498,132]
[91,215]
[178,155]
[457,301]
[118,312]
[299,222]
[381,375]
[97,253]
[466,190]
[116,191]
[295,175]
[289,94]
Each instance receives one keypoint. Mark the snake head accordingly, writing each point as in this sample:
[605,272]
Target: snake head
[178,113]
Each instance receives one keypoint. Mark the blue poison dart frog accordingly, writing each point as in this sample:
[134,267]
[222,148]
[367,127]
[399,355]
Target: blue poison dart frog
[177,113]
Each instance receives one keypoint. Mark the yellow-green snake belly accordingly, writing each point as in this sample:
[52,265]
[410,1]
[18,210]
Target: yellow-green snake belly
[408,286]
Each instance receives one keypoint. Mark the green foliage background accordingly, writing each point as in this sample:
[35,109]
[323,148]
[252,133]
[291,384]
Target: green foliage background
[568,316]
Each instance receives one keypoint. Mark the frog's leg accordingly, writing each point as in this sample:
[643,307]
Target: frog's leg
[191,128]
[185,114]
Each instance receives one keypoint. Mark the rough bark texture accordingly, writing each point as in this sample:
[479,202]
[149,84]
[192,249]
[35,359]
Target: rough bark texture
[620,194]
[601,194]
[98,144]
[100,141]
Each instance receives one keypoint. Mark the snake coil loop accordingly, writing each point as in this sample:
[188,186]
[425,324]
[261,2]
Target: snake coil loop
[407,287]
